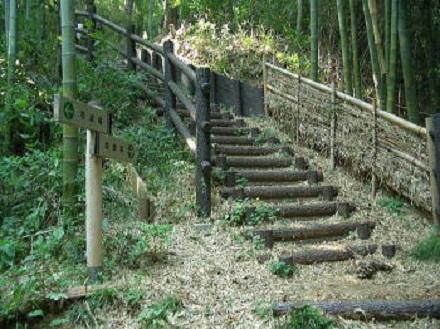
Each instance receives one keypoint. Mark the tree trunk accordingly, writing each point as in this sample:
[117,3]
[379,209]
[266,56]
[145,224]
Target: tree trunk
[380,90]
[348,84]
[314,39]
[70,134]
[392,63]
[407,65]
[170,15]
[368,309]
[355,51]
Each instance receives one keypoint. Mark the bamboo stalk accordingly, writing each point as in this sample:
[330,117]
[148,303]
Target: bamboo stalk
[298,108]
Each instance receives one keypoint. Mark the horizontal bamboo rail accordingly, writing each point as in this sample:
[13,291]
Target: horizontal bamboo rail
[152,46]
[402,123]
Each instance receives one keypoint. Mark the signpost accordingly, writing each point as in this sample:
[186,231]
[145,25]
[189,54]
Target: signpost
[99,145]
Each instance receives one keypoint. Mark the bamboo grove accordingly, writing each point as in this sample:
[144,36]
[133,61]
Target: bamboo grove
[384,49]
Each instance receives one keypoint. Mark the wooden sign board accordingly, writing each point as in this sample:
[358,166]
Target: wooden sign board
[113,148]
[81,115]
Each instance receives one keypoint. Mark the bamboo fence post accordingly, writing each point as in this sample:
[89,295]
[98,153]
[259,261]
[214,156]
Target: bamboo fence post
[91,9]
[266,105]
[131,47]
[170,98]
[203,146]
[433,143]
[333,119]
[93,208]
[374,155]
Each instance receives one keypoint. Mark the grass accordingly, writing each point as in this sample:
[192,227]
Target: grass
[429,248]
[306,317]
[282,269]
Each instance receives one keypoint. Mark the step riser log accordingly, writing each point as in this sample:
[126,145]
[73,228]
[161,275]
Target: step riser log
[252,151]
[254,162]
[328,193]
[312,177]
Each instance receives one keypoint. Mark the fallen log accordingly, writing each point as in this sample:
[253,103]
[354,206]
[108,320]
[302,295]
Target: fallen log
[327,255]
[368,309]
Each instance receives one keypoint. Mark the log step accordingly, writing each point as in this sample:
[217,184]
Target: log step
[265,176]
[252,150]
[225,162]
[369,309]
[240,140]
[304,212]
[328,193]
[232,131]
[312,256]
[269,237]
[227,123]
[184,114]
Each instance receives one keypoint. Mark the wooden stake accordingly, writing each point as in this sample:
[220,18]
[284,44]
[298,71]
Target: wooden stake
[298,106]
[93,208]
[333,128]
[265,82]
[374,155]
[433,141]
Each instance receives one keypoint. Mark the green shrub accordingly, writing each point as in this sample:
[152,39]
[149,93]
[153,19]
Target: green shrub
[156,315]
[306,317]
[429,248]
[282,269]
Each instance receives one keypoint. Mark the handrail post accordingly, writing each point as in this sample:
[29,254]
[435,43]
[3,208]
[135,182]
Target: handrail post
[91,9]
[433,143]
[170,75]
[131,47]
[203,146]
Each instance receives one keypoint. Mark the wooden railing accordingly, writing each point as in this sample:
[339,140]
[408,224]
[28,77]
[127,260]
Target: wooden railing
[162,64]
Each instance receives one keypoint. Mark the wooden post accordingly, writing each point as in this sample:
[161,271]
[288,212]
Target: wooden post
[170,75]
[131,47]
[203,147]
[91,9]
[333,119]
[433,143]
[374,155]
[213,90]
[238,100]
[298,106]
[93,208]
[265,100]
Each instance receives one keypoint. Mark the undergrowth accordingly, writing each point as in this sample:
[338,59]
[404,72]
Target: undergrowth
[306,317]
[41,248]
[429,248]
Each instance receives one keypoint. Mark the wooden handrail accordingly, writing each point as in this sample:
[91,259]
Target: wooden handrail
[183,67]
[148,68]
[147,44]
[185,100]
[184,132]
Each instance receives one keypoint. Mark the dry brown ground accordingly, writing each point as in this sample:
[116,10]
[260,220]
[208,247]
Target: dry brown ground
[216,275]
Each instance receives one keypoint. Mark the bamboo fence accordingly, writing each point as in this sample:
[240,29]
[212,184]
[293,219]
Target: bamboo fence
[372,143]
